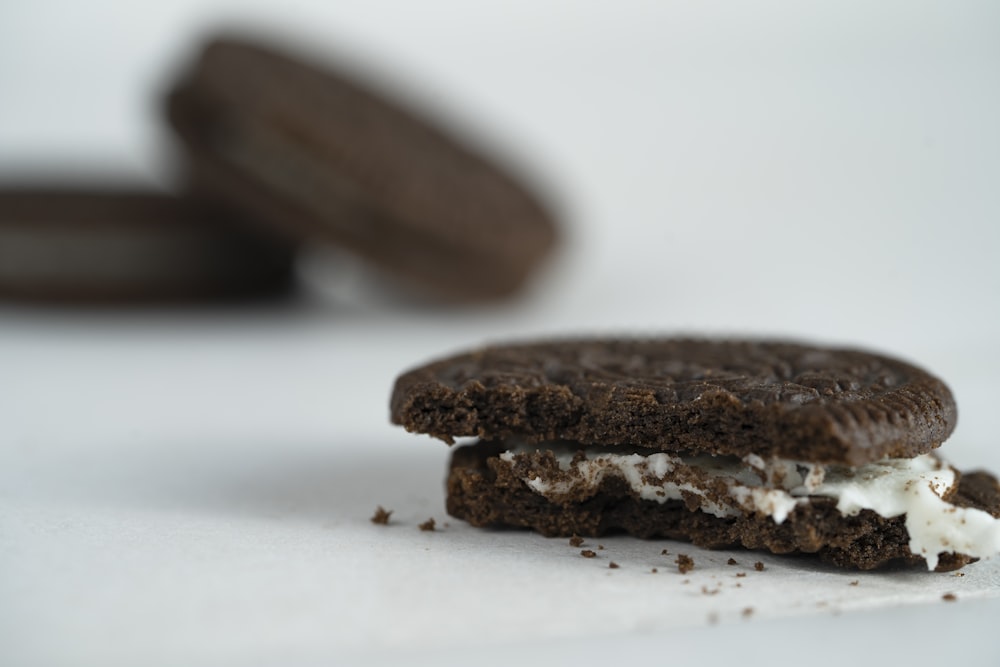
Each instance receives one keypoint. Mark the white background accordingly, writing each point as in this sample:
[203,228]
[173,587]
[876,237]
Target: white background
[193,486]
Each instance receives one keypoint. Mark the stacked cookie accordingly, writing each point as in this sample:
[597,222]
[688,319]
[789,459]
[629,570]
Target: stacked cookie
[280,153]
[765,445]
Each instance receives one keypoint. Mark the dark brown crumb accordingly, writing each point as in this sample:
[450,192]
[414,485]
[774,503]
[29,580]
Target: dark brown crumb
[600,547]
[731,561]
[747,612]
[949,597]
[684,563]
[758,566]
[381,516]
[854,583]
[741,574]
[587,553]
[655,570]
[613,565]
[576,541]
[428,525]
[664,553]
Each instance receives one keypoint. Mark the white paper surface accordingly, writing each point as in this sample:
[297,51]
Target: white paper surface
[198,486]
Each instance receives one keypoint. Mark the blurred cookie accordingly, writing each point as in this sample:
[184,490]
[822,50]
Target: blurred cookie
[71,244]
[317,155]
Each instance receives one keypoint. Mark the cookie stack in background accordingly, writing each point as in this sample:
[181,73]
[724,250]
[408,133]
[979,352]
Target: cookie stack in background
[280,153]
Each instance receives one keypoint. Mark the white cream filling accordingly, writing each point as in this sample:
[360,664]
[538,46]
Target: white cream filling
[106,256]
[890,488]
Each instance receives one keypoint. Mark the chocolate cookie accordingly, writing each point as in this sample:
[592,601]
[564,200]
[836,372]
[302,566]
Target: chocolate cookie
[72,244]
[488,491]
[766,445]
[316,154]
[730,397]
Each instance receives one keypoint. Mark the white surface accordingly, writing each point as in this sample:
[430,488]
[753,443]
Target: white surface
[194,486]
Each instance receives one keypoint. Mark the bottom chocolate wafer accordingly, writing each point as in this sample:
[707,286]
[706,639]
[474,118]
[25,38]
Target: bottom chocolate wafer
[723,502]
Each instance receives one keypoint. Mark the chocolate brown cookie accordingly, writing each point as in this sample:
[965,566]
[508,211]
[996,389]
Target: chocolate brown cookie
[718,397]
[74,245]
[766,445]
[317,155]
[487,491]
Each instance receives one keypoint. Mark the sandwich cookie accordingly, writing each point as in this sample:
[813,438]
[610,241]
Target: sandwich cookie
[106,245]
[766,445]
[317,155]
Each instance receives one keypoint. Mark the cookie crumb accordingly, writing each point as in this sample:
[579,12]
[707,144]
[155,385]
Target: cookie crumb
[655,570]
[705,591]
[758,566]
[428,525]
[854,583]
[587,553]
[600,547]
[747,612]
[613,565]
[960,574]
[664,553]
[684,563]
[576,541]
[731,561]
[741,574]
[949,597]
[381,516]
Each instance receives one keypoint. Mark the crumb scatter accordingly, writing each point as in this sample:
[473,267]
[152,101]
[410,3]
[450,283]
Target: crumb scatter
[587,553]
[613,565]
[949,597]
[428,525]
[381,516]
[758,566]
[731,561]
[576,541]
[684,563]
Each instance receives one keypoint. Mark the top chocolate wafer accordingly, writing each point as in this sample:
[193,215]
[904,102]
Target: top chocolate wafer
[780,399]
[317,154]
